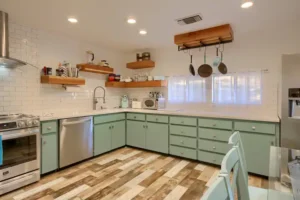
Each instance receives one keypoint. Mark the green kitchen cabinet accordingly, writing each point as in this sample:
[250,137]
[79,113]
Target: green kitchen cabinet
[257,151]
[118,135]
[136,133]
[49,152]
[102,138]
[157,137]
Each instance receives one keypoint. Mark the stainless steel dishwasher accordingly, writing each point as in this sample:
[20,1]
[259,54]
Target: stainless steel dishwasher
[75,140]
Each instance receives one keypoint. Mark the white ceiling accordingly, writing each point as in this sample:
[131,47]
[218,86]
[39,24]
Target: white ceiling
[104,21]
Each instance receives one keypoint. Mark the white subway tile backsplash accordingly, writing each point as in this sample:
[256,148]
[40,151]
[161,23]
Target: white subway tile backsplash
[20,88]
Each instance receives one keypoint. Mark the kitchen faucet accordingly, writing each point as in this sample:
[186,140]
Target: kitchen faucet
[95,99]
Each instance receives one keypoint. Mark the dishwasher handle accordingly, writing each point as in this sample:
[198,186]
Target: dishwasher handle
[76,122]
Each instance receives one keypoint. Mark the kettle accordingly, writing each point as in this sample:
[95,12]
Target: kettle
[124,101]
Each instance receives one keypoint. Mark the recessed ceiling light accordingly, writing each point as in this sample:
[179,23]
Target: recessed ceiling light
[143,32]
[131,21]
[73,20]
[247,4]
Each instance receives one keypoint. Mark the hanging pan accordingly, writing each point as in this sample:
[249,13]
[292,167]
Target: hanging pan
[205,70]
[191,67]
[222,67]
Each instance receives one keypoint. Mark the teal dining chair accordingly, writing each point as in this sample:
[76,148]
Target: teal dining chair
[235,161]
[219,190]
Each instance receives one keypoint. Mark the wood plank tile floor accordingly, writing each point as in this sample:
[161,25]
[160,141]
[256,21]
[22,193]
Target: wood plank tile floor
[126,174]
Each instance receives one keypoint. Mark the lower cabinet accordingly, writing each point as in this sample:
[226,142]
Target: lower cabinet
[49,152]
[108,136]
[136,134]
[118,136]
[157,137]
[102,138]
[151,136]
[257,151]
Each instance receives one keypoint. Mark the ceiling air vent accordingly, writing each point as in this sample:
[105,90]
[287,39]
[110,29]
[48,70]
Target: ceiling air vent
[189,20]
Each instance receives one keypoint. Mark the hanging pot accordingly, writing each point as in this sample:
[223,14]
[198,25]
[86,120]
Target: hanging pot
[205,70]
[191,67]
[222,67]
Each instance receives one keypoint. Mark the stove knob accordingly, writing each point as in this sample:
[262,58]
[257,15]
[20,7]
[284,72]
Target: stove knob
[29,123]
[36,122]
[21,124]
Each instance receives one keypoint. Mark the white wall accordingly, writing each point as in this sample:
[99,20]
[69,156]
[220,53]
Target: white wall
[250,51]
[20,88]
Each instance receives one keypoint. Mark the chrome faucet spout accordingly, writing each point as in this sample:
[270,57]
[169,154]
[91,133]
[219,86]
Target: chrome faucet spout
[95,99]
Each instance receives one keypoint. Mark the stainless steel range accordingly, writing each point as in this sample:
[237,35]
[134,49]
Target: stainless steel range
[21,151]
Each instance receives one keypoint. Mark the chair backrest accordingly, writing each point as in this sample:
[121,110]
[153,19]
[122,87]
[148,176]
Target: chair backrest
[236,141]
[234,161]
[219,190]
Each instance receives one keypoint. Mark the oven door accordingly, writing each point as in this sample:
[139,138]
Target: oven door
[20,152]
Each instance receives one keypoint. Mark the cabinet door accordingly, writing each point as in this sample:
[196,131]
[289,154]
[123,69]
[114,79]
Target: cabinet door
[257,152]
[136,134]
[157,137]
[102,138]
[118,134]
[49,153]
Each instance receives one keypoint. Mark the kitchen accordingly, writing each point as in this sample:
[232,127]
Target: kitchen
[78,135]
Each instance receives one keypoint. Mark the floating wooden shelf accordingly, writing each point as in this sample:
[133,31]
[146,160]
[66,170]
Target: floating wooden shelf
[206,37]
[62,80]
[95,69]
[141,84]
[141,64]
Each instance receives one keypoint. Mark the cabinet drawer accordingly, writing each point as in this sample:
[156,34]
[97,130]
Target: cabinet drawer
[210,157]
[214,146]
[215,123]
[183,152]
[49,127]
[183,121]
[136,116]
[183,141]
[256,127]
[214,134]
[157,118]
[109,118]
[183,130]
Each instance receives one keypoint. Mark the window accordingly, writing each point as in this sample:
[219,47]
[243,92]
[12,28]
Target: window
[239,88]
[186,89]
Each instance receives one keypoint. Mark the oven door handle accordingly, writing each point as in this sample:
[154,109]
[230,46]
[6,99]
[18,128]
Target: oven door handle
[17,135]
[76,122]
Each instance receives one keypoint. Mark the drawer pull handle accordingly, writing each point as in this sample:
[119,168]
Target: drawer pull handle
[214,147]
[49,128]
[253,127]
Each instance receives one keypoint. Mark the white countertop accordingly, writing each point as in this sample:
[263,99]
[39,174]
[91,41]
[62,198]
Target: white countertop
[54,116]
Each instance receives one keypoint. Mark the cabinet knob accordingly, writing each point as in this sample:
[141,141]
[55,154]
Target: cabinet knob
[156,119]
[182,122]
[113,126]
[214,124]
[181,142]
[49,128]
[181,153]
[214,147]
[253,127]
[44,142]
[272,143]
[214,136]
[214,160]
[134,117]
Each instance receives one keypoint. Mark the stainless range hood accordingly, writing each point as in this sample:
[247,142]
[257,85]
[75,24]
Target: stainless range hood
[5,60]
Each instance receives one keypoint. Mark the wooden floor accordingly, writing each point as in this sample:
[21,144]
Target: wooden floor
[126,174]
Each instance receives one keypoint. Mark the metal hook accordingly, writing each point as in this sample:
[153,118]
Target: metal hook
[223,47]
